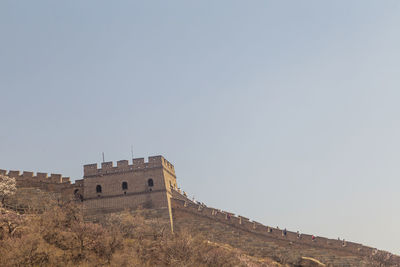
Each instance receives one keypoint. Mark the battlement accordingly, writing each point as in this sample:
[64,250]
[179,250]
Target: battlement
[38,177]
[124,166]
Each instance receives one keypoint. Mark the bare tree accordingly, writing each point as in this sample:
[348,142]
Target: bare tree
[8,187]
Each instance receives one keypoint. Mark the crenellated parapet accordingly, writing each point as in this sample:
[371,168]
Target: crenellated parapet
[138,164]
[36,177]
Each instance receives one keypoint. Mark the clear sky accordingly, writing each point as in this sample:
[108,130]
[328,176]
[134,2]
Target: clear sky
[286,112]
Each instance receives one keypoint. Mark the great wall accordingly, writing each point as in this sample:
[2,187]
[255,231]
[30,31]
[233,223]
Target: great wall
[303,244]
[153,185]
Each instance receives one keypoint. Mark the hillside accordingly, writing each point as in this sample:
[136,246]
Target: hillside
[59,234]
[261,241]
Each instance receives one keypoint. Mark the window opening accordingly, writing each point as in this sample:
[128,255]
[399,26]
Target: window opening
[98,188]
[124,186]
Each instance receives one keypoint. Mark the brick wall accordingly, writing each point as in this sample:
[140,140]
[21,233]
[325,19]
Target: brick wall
[253,237]
[128,186]
[148,200]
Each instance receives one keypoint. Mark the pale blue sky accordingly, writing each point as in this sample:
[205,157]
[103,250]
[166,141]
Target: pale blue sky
[286,112]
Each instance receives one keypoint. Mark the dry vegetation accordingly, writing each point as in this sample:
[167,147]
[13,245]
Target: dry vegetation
[51,233]
[60,237]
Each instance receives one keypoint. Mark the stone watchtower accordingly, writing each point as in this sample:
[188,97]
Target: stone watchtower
[128,186]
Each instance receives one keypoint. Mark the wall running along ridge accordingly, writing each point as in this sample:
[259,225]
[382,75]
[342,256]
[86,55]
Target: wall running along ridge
[189,213]
[164,197]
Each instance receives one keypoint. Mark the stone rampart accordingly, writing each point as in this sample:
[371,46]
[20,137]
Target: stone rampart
[38,177]
[277,235]
[112,197]
[145,200]
[54,183]
[138,164]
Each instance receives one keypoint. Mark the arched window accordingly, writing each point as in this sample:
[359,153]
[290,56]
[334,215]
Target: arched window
[150,182]
[98,188]
[124,186]
[76,191]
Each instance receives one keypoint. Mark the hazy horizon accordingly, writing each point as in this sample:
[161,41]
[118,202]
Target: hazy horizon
[285,112]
